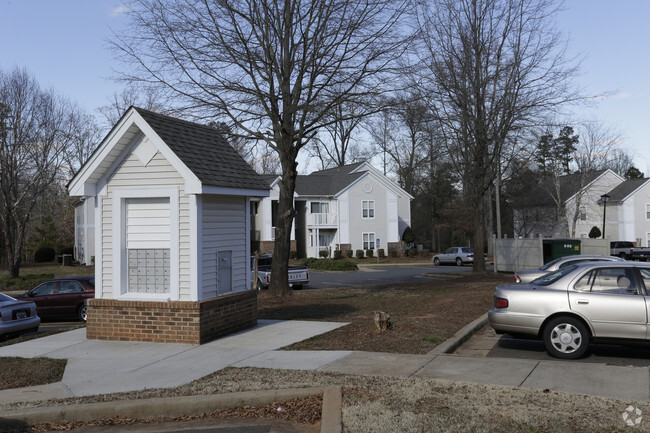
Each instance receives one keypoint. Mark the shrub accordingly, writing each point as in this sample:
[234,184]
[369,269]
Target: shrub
[413,252]
[332,265]
[393,253]
[44,254]
[324,253]
[338,254]
[309,261]
[408,236]
[349,253]
[595,233]
[359,254]
[293,255]
[381,253]
[370,253]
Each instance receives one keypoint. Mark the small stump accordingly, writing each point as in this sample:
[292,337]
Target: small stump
[382,321]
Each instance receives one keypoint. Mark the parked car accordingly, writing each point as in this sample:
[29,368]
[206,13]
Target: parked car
[576,305]
[455,255]
[62,298]
[627,250]
[528,275]
[17,317]
[298,275]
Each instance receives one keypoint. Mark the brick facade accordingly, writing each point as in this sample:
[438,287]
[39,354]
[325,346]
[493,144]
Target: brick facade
[171,322]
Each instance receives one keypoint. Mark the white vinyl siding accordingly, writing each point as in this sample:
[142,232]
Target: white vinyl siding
[223,231]
[158,174]
[147,223]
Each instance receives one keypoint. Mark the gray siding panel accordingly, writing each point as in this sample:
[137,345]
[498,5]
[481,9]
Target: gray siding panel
[224,229]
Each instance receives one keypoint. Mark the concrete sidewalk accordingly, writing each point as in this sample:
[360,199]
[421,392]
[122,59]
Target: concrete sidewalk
[102,367]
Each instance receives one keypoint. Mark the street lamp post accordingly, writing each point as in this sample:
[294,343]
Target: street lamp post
[605,199]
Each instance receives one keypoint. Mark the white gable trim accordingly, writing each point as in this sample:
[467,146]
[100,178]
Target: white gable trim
[379,177]
[100,163]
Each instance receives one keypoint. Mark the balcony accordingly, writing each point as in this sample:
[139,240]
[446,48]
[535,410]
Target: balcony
[322,220]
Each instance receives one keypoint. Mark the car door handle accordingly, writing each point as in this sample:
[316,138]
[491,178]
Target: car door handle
[582,301]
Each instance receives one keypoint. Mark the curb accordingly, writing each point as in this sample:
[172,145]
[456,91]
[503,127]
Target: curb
[451,344]
[177,407]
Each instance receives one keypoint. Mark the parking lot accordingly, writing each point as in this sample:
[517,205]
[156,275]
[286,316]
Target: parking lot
[486,343]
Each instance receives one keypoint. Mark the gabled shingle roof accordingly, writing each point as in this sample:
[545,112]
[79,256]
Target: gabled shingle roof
[569,186]
[625,189]
[327,182]
[205,152]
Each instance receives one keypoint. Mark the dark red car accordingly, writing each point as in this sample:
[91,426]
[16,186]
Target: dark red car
[62,298]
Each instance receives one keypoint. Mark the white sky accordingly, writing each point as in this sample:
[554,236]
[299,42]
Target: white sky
[62,42]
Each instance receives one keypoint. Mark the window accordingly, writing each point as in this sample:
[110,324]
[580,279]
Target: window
[368,208]
[608,280]
[583,213]
[45,289]
[368,241]
[320,207]
[70,287]
[647,212]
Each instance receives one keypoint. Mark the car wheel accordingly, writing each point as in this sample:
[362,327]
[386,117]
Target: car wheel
[566,338]
[436,261]
[258,285]
[83,313]
[623,256]
[459,261]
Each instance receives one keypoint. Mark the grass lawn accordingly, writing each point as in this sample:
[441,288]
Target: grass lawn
[423,314]
[35,274]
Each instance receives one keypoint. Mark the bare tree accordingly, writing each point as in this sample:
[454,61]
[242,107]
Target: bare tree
[276,69]
[32,147]
[147,97]
[339,146]
[491,68]
[82,135]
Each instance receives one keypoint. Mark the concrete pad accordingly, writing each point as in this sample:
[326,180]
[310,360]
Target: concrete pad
[102,367]
[35,393]
[45,345]
[629,383]
[294,360]
[378,363]
[511,372]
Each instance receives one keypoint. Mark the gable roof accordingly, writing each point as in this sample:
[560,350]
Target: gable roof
[199,153]
[625,189]
[334,181]
[204,151]
[570,185]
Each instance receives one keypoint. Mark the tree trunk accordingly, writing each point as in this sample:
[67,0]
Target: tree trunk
[479,234]
[279,268]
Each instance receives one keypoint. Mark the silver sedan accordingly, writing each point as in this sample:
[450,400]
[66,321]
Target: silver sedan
[528,275]
[17,317]
[575,305]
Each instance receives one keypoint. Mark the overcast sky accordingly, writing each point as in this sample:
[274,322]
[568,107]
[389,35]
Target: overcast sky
[62,42]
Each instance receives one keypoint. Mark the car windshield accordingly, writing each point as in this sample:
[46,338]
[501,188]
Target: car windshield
[552,277]
[468,250]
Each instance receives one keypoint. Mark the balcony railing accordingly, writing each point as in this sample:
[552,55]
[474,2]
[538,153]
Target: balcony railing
[321,219]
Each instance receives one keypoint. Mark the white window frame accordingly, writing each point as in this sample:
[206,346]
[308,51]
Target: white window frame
[120,255]
[365,240]
[647,239]
[647,211]
[370,208]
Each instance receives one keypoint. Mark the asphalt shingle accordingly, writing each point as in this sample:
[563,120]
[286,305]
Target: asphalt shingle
[205,152]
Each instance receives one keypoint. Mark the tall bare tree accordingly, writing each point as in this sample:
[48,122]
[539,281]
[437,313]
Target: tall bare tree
[491,68]
[276,69]
[32,148]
